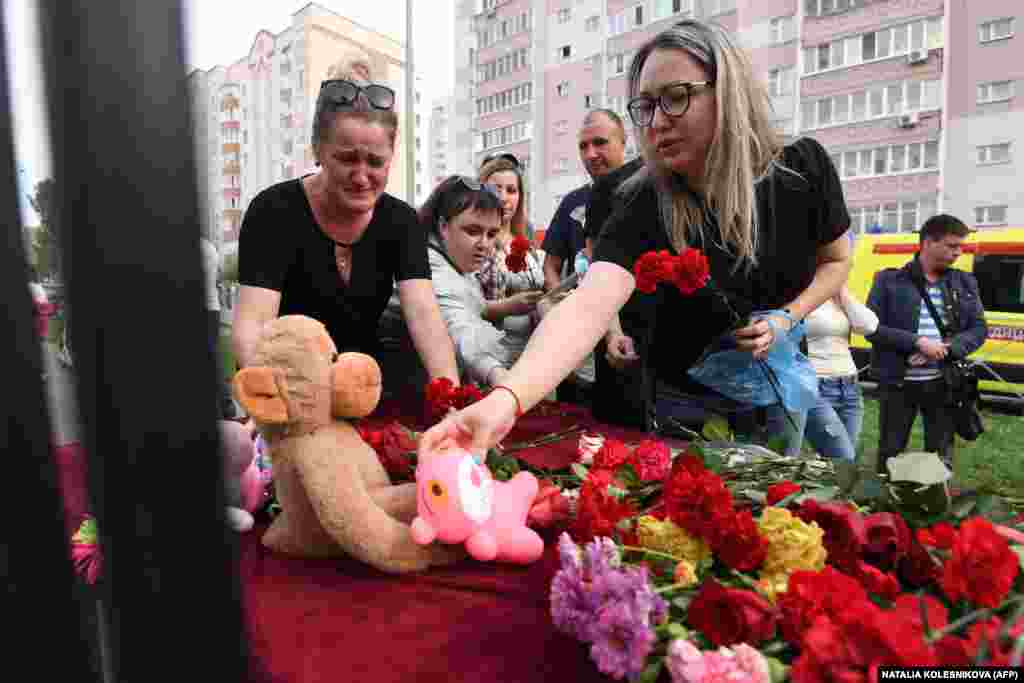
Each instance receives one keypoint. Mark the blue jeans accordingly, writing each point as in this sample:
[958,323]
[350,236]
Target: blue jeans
[833,425]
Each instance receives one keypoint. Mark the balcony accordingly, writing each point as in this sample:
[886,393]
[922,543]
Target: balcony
[229,103]
[232,168]
[232,124]
[231,148]
[232,193]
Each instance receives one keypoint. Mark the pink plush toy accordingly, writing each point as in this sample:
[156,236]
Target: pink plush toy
[457,501]
[244,482]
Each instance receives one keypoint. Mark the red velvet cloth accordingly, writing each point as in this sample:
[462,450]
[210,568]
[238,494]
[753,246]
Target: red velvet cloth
[331,620]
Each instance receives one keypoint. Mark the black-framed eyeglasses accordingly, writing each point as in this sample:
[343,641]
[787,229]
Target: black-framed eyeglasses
[508,156]
[344,91]
[674,101]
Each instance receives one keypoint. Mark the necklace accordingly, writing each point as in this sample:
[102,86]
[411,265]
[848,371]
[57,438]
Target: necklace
[342,255]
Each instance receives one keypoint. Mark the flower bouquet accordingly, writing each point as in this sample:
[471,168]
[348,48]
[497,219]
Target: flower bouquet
[670,572]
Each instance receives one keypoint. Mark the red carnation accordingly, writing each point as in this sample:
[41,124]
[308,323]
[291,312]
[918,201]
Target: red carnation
[918,568]
[696,502]
[941,535]
[737,542]
[886,539]
[652,268]
[781,491]
[612,454]
[982,568]
[877,582]
[810,595]
[691,271]
[651,460]
[516,259]
[599,510]
[727,616]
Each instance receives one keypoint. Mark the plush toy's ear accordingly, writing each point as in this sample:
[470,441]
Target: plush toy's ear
[260,391]
[357,383]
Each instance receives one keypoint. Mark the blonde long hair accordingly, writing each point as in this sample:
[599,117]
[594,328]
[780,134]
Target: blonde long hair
[518,222]
[744,149]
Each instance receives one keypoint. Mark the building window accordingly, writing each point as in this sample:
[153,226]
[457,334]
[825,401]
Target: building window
[589,101]
[995,30]
[878,102]
[990,215]
[666,8]
[994,154]
[817,8]
[286,148]
[617,24]
[713,7]
[904,216]
[592,24]
[286,97]
[561,165]
[911,40]
[286,68]
[564,53]
[995,91]
[564,15]
[618,63]
[782,29]
[562,89]
[915,157]
[780,82]
[638,15]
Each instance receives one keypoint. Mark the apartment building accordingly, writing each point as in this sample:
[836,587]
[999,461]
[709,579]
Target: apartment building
[442,137]
[914,99]
[253,118]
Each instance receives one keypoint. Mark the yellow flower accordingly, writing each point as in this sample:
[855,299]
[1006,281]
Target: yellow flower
[666,537]
[686,574]
[792,545]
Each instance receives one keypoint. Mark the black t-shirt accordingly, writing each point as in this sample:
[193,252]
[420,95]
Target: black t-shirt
[282,247]
[800,207]
[602,197]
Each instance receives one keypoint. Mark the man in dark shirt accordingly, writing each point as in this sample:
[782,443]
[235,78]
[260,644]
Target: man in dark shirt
[602,145]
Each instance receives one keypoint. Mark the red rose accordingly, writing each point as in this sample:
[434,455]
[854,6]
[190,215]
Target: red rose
[652,268]
[738,542]
[727,616]
[598,510]
[781,491]
[652,460]
[691,271]
[844,531]
[941,535]
[611,454]
[918,568]
[887,539]
[982,568]
[810,595]
[394,447]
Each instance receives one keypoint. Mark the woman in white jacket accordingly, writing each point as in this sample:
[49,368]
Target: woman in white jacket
[833,426]
[463,219]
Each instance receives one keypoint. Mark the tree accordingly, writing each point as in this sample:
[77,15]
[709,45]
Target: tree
[46,244]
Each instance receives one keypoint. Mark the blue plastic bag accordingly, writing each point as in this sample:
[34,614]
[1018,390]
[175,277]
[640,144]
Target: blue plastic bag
[785,375]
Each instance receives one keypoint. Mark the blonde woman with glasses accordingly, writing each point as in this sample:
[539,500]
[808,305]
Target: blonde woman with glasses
[770,218]
[332,244]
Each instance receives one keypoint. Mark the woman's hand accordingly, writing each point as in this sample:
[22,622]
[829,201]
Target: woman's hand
[621,350]
[524,303]
[758,336]
[476,428]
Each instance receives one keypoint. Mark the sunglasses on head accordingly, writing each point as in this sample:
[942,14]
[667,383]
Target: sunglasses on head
[475,185]
[346,92]
[508,156]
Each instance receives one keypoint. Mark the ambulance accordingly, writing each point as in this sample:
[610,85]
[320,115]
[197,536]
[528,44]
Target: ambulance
[996,257]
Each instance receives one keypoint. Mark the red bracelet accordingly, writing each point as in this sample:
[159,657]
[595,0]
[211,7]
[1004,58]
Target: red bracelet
[519,406]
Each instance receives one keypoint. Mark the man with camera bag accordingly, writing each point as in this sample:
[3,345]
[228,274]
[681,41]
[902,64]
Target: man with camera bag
[930,318]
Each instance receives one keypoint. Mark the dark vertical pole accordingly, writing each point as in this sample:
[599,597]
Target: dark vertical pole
[37,587]
[129,216]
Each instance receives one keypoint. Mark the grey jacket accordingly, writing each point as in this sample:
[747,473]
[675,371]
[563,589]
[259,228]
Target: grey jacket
[479,345]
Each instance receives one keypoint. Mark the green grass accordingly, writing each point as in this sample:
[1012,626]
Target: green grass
[994,463]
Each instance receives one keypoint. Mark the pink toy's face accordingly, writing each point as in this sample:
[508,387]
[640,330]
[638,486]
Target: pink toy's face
[455,495]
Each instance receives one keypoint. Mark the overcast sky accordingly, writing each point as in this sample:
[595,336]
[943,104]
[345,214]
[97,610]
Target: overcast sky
[219,32]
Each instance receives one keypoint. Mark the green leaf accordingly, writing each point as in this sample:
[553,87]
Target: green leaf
[777,671]
[628,475]
[653,670]
[580,471]
[677,630]
[1019,549]
[717,429]
[617,493]
[87,533]
[963,508]
[777,444]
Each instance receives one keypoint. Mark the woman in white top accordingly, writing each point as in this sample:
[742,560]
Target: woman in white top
[463,220]
[833,425]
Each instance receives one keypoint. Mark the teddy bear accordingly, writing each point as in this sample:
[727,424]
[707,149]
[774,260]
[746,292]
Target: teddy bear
[336,498]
